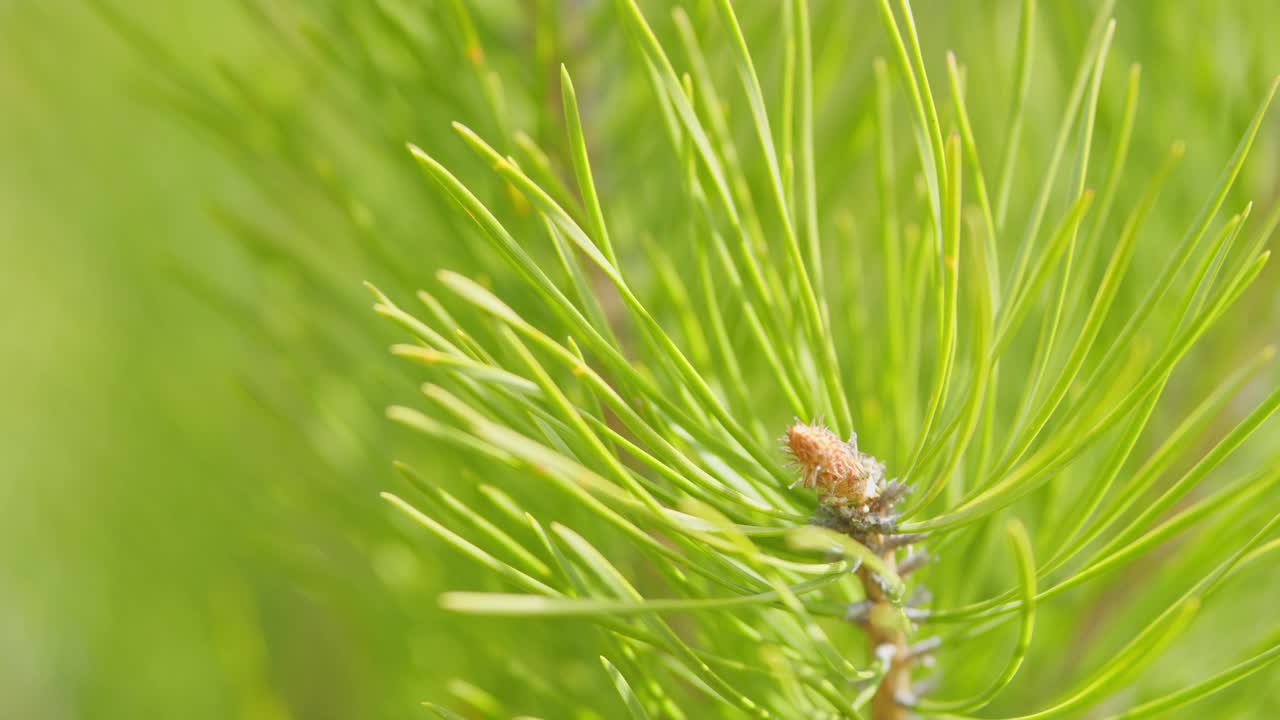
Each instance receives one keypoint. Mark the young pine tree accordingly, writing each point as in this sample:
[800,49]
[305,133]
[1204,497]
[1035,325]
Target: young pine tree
[778,392]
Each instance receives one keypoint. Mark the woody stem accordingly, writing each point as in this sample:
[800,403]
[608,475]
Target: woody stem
[896,682]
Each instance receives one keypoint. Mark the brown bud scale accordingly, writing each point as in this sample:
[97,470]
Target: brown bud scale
[845,479]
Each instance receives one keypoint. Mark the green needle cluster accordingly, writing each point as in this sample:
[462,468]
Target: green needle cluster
[612,283]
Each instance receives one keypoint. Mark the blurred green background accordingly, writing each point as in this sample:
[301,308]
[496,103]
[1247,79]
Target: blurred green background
[189,521]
